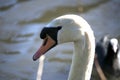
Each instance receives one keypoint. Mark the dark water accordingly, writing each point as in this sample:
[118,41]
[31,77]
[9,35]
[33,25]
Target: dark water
[21,22]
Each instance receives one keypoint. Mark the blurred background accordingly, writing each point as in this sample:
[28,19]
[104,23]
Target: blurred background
[21,22]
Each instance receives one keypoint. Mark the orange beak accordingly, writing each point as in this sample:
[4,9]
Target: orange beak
[48,43]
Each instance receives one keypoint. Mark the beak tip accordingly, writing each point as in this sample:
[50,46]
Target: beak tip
[34,59]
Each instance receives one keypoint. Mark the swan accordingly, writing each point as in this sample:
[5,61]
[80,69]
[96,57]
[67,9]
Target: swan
[108,54]
[71,28]
[112,58]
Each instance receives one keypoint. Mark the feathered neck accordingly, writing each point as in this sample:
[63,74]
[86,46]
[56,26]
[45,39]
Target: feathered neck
[82,60]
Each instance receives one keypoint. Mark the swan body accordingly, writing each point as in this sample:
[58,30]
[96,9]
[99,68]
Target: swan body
[108,55]
[71,28]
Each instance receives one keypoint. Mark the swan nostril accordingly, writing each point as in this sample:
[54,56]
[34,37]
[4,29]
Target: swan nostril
[45,41]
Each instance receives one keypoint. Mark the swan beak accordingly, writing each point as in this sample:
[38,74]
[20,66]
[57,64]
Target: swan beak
[48,43]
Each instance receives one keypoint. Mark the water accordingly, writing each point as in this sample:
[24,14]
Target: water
[21,23]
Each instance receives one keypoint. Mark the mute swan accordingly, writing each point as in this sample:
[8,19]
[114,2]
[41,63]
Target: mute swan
[109,55]
[71,28]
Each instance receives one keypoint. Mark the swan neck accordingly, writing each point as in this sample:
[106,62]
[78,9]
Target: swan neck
[82,60]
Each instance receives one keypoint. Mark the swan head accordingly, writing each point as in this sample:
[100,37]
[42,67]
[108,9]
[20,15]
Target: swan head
[63,29]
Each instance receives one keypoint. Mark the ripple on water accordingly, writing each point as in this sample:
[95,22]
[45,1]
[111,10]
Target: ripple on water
[18,38]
